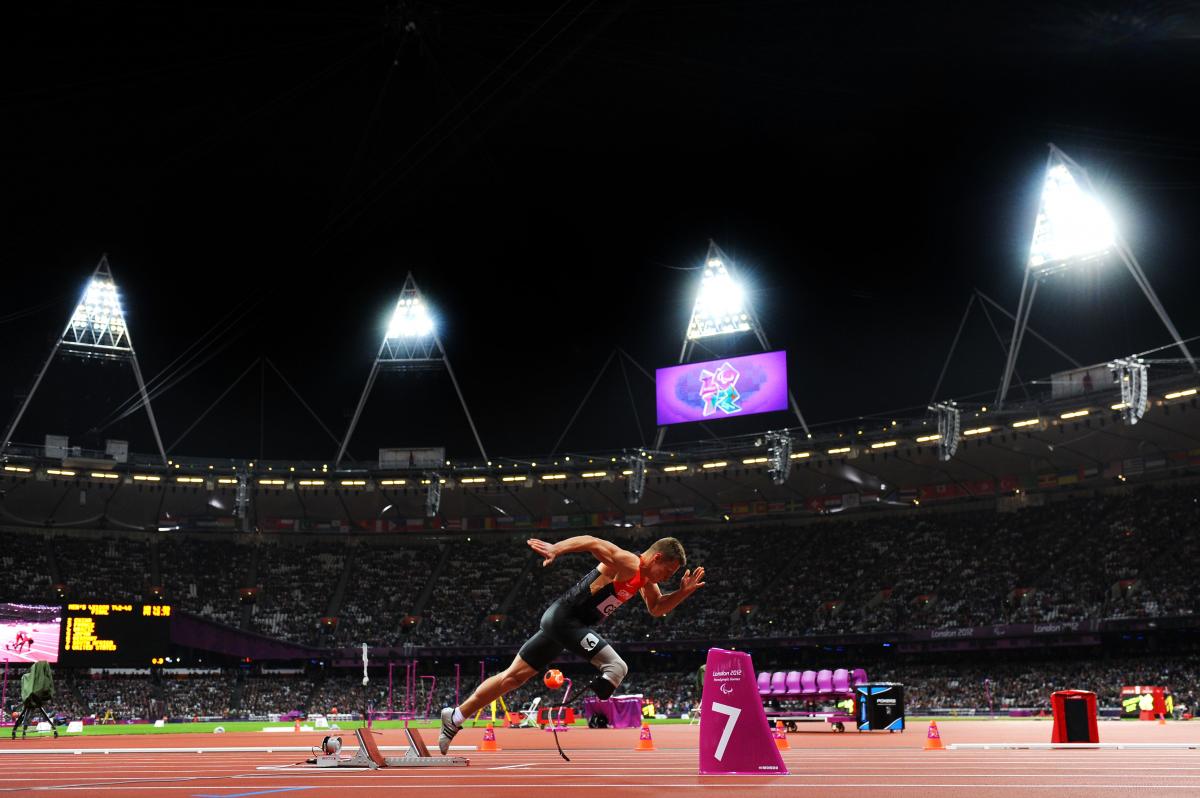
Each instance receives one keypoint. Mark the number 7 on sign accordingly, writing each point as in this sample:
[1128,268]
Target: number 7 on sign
[733,713]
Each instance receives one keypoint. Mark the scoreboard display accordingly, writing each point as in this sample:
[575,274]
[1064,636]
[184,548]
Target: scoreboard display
[115,635]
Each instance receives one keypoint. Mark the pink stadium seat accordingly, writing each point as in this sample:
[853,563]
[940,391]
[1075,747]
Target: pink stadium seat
[778,683]
[764,683]
[841,681]
[793,683]
[808,683]
[825,682]
[860,677]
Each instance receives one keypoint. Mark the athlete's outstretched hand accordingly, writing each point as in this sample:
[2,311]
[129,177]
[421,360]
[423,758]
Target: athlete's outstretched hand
[692,580]
[546,550]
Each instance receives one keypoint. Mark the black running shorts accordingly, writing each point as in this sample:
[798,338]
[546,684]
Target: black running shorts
[560,630]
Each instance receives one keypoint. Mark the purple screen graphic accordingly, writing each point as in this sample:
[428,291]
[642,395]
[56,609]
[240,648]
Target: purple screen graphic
[725,388]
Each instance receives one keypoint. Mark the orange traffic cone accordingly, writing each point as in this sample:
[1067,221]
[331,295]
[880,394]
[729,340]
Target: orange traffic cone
[489,739]
[781,740]
[645,741]
[933,740]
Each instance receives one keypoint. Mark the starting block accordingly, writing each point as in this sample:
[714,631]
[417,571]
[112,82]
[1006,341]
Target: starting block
[370,757]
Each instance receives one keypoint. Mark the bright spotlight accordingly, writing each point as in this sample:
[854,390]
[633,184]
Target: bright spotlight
[411,319]
[98,320]
[1072,226]
[720,306]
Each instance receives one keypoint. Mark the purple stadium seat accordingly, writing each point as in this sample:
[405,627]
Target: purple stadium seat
[764,683]
[860,677]
[825,682]
[793,683]
[808,683]
[778,683]
[841,681]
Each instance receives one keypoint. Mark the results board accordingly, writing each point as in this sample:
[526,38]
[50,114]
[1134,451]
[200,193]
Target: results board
[115,635]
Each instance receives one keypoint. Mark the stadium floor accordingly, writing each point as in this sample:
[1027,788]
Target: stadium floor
[821,763]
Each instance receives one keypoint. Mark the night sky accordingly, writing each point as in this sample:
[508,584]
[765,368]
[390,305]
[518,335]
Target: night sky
[552,174]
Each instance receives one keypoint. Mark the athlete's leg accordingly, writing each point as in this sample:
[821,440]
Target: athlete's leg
[612,672]
[538,652]
[502,683]
[587,643]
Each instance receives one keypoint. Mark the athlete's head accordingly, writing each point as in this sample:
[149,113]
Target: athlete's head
[663,559]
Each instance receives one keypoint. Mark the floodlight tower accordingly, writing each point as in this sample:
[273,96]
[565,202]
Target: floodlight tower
[96,331]
[409,344]
[1072,229]
[721,308]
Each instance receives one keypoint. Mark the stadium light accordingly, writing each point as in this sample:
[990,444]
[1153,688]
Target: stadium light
[96,330]
[1073,228]
[410,319]
[1072,225]
[411,343]
[1180,394]
[1074,414]
[98,321]
[720,306]
[1029,422]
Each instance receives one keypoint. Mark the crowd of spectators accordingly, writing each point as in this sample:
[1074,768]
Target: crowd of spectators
[1110,556]
[26,569]
[274,694]
[203,576]
[114,568]
[196,694]
[297,584]
[385,585]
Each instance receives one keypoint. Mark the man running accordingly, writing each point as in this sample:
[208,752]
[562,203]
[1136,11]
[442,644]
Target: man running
[567,623]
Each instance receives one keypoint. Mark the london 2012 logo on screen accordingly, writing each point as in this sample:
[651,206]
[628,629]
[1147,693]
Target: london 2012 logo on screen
[718,389]
[727,388]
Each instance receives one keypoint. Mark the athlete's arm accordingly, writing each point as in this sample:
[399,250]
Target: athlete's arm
[659,604]
[622,562]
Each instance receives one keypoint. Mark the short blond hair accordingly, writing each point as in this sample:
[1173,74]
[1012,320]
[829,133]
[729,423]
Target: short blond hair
[670,548]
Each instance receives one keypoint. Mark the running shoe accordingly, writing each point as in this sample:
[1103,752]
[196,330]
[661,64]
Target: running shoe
[449,729]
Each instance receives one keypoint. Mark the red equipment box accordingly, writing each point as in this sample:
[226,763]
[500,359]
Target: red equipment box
[1074,717]
[564,714]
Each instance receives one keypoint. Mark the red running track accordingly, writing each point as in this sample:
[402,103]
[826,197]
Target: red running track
[821,763]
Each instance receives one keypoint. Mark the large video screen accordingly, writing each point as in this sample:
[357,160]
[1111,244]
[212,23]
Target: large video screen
[725,388]
[29,632]
[115,635]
